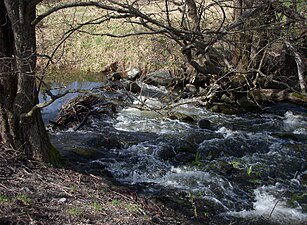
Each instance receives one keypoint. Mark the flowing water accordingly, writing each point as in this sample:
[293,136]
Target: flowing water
[249,167]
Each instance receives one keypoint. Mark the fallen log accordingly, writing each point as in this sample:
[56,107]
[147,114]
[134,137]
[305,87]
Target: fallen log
[269,95]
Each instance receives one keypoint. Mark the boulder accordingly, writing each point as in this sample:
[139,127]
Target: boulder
[183,158]
[228,108]
[246,103]
[201,80]
[226,99]
[303,177]
[133,74]
[161,77]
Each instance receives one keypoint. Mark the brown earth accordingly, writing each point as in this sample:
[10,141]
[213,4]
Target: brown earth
[34,193]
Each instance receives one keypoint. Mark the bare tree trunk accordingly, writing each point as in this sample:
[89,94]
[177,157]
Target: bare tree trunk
[18,92]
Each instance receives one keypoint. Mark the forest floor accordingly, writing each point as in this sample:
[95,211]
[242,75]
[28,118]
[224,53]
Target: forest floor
[34,193]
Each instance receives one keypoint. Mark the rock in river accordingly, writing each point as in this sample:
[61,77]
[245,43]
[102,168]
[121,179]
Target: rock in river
[161,77]
[204,124]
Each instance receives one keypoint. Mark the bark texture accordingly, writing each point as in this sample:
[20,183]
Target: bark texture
[18,92]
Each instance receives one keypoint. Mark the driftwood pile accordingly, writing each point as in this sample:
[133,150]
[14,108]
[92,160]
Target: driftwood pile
[75,112]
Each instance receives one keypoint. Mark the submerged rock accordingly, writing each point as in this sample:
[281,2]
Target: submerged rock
[182,117]
[87,153]
[101,141]
[166,153]
[204,124]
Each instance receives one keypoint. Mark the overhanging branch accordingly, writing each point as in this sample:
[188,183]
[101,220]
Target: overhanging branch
[53,98]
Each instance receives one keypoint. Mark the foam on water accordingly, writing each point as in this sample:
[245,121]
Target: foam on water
[148,102]
[295,123]
[138,164]
[197,182]
[226,132]
[247,139]
[148,121]
[184,178]
[275,209]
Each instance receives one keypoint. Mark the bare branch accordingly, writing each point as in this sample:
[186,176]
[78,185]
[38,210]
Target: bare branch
[287,11]
[207,35]
[78,4]
[53,98]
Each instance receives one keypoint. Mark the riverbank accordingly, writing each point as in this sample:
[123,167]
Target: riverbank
[33,193]
[99,45]
[220,81]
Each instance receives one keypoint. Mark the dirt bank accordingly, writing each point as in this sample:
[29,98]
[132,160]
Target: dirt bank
[33,193]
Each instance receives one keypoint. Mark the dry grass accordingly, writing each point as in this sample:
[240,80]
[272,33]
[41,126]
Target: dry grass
[91,53]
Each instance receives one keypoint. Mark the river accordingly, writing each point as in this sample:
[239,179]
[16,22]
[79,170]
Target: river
[248,168]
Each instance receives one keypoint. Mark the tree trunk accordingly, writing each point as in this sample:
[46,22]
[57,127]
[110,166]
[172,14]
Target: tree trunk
[18,91]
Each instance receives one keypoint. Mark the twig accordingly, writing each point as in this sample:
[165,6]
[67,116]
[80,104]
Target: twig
[274,208]
[84,120]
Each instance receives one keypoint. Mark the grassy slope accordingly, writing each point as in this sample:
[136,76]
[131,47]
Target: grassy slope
[91,53]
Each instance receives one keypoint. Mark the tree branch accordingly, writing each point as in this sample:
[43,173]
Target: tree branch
[53,98]
[77,4]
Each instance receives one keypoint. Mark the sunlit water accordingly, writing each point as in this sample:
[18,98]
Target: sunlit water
[277,209]
[265,155]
